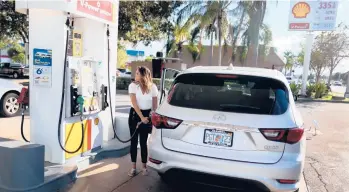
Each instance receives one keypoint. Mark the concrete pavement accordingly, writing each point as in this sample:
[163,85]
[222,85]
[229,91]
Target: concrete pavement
[110,175]
[327,159]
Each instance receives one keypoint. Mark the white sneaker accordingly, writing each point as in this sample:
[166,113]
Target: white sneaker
[145,172]
[132,172]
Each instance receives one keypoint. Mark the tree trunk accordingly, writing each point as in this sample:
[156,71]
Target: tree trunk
[330,76]
[252,53]
[331,71]
[211,55]
[317,78]
[219,38]
[237,35]
[253,33]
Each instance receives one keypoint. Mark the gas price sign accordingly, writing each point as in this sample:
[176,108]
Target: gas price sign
[313,15]
[42,67]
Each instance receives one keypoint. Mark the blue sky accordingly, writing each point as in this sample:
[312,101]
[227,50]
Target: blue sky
[277,19]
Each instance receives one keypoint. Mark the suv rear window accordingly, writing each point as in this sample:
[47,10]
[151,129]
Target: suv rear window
[230,93]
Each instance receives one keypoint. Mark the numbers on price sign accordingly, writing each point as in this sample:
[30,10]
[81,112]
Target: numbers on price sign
[39,71]
[327,5]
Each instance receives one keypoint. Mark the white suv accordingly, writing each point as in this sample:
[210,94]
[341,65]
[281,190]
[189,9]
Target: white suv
[235,123]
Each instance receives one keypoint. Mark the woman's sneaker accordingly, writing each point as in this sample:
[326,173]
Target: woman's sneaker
[145,172]
[132,172]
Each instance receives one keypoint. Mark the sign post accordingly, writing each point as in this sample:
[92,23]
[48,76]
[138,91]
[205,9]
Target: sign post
[306,64]
[311,16]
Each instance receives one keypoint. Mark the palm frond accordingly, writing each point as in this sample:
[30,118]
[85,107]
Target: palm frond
[195,34]
[170,47]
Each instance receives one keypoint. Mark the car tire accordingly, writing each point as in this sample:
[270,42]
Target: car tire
[165,178]
[15,75]
[8,107]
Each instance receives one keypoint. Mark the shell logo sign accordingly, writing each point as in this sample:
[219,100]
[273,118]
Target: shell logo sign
[301,10]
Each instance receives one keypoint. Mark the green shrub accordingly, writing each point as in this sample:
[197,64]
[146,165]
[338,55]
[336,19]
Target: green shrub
[295,88]
[320,90]
[310,89]
[122,83]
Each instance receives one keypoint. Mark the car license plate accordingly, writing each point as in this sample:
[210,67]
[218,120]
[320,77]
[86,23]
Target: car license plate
[218,137]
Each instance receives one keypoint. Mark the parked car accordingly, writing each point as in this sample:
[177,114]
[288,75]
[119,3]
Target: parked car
[16,70]
[337,83]
[118,73]
[126,74]
[9,92]
[122,70]
[290,79]
[204,128]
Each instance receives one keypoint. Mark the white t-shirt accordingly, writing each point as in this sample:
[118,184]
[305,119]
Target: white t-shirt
[144,101]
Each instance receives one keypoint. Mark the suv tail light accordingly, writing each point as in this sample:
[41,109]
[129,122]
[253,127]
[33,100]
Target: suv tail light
[163,122]
[287,181]
[290,136]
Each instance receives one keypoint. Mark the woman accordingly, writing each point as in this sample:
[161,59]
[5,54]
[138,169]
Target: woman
[143,95]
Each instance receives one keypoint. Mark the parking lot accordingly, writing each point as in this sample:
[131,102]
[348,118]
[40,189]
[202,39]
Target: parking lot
[327,159]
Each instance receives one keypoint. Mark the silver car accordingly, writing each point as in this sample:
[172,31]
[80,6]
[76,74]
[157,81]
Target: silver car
[231,123]
[9,92]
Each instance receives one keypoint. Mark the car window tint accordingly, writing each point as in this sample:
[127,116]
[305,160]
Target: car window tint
[231,93]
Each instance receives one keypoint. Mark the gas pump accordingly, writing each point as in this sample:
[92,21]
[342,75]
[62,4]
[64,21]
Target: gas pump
[69,93]
[85,95]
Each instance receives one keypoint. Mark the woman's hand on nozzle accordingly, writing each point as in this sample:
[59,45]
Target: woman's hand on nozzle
[145,120]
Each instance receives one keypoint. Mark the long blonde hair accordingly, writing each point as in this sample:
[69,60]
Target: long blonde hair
[146,81]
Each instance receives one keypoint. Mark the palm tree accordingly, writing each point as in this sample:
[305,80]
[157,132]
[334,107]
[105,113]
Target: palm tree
[195,47]
[256,12]
[289,61]
[177,37]
[211,33]
[264,37]
[235,30]
[208,14]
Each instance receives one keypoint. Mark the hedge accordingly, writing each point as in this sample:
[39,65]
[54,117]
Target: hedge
[122,83]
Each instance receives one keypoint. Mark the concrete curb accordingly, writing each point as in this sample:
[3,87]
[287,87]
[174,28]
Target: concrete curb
[57,180]
[54,181]
[320,101]
[102,154]
[303,185]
